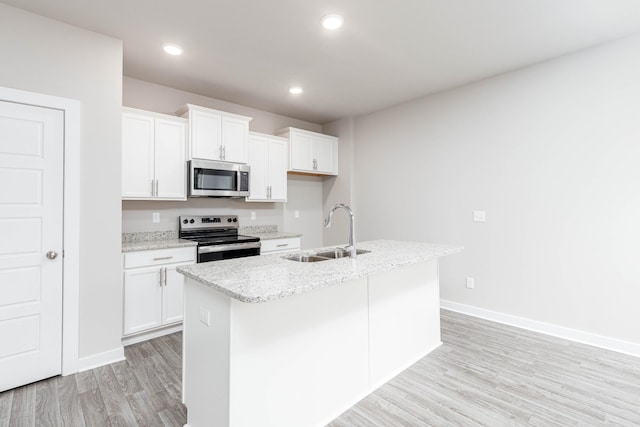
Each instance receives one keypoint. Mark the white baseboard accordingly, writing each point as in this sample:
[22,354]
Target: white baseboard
[101,359]
[144,336]
[608,343]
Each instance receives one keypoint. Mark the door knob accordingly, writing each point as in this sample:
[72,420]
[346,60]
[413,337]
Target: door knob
[52,254]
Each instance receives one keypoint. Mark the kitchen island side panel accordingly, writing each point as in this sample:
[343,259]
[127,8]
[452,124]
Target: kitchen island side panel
[207,355]
[404,319]
[299,361]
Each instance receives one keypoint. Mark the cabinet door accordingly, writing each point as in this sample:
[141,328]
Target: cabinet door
[324,154]
[206,135]
[137,156]
[258,160]
[173,296]
[301,155]
[234,136]
[170,162]
[278,170]
[142,299]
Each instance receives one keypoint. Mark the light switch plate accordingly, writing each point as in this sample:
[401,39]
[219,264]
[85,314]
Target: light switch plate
[479,216]
[205,316]
[296,214]
[471,283]
[156,217]
[253,216]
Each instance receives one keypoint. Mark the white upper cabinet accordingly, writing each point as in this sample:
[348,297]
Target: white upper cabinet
[216,135]
[311,152]
[268,161]
[153,156]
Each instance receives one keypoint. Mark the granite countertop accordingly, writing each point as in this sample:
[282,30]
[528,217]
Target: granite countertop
[269,277]
[266,232]
[146,241]
[274,235]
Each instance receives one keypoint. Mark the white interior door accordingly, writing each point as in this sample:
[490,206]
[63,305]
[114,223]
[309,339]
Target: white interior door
[31,203]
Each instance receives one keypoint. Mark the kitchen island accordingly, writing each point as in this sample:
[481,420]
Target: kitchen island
[270,341]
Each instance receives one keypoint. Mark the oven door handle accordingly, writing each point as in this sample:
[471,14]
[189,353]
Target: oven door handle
[231,247]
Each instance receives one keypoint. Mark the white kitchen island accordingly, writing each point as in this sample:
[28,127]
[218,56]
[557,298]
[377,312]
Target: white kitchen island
[274,342]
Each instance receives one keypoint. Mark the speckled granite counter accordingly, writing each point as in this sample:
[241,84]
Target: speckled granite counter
[267,232]
[270,277]
[146,241]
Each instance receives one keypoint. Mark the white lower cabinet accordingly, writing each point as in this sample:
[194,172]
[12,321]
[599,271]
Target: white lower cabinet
[279,245]
[153,289]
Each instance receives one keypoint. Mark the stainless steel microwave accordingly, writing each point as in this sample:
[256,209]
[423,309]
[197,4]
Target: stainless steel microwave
[209,178]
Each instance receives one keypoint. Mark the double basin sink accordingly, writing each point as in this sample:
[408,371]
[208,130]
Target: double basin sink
[324,256]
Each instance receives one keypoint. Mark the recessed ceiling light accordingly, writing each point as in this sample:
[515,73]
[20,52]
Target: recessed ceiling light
[172,49]
[332,21]
[296,90]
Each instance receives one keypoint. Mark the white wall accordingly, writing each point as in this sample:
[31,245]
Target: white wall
[339,189]
[305,196]
[45,56]
[551,153]
[304,193]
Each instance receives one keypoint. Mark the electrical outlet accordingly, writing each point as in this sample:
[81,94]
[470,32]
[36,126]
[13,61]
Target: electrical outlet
[156,217]
[479,216]
[296,214]
[205,316]
[253,216]
[471,283]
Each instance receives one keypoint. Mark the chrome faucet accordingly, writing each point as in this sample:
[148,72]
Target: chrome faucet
[352,232]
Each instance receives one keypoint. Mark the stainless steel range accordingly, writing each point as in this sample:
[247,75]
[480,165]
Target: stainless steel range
[218,237]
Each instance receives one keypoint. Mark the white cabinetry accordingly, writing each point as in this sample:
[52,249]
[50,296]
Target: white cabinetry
[268,161]
[153,156]
[216,135]
[153,289]
[311,152]
[291,244]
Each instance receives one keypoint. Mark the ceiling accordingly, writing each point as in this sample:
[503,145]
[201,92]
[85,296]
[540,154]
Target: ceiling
[388,51]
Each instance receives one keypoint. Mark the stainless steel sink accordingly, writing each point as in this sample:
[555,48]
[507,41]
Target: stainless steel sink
[340,253]
[306,258]
[324,256]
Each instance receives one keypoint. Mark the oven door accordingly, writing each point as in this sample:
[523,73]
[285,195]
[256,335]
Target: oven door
[232,250]
[218,179]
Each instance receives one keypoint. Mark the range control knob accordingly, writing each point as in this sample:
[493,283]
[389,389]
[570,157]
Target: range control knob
[235,219]
[229,219]
[184,221]
[192,221]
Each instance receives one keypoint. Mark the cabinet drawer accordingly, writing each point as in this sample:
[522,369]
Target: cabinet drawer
[280,245]
[160,256]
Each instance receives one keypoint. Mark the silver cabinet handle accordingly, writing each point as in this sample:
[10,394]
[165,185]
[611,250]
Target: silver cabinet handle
[224,152]
[315,164]
[220,151]
[52,254]
[282,245]
[163,276]
[153,187]
[162,257]
[157,186]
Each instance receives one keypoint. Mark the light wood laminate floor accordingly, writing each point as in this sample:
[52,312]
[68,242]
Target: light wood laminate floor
[485,374]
